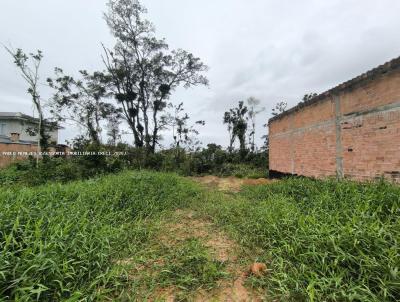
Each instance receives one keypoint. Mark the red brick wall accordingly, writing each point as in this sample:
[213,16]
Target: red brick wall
[355,134]
[6,159]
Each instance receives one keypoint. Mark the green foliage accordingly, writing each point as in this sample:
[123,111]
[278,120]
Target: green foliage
[242,171]
[144,72]
[236,120]
[58,170]
[82,101]
[213,160]
[58,242]
[9,175]
[322,240]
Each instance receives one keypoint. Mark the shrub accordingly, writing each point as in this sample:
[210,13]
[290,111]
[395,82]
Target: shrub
[211,160]
[241,171]
[9,175]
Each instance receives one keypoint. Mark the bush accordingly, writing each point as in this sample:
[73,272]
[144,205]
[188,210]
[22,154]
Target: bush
[241,171]
[214,160]
[9,175]
[59,170]
[211,160]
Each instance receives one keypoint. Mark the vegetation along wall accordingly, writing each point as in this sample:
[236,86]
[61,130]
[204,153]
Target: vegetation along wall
[352,130]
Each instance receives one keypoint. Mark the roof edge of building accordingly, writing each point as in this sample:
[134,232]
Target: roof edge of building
[345,86]
[25,117]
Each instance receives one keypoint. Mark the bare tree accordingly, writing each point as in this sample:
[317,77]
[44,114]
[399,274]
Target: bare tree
[253,104]
[184,134]
[28,66]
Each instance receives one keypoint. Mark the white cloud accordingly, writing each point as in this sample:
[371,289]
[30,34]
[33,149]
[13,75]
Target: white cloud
[273,50]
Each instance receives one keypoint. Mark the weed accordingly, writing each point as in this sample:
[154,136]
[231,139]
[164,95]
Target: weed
[191,266]
[323,240]
[58,241]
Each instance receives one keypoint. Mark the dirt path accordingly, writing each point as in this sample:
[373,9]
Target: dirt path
[160,271]
[230,184]
[186,225]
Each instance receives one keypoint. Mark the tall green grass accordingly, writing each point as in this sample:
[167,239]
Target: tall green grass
[322,240]
[191,267]
[59,242]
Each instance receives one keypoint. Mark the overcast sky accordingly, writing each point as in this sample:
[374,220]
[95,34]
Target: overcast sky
[273,50]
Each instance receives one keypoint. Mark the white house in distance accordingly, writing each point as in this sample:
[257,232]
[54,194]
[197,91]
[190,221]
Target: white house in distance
[14,128]
[16,139]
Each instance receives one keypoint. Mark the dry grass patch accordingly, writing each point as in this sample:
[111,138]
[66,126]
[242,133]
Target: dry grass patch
[230,184]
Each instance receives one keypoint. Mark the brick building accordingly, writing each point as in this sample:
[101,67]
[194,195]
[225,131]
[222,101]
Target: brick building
[351,130]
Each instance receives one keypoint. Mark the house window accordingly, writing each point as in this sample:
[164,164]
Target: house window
[2,129]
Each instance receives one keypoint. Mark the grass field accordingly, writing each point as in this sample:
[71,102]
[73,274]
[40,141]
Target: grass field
[323,240]
[145,236]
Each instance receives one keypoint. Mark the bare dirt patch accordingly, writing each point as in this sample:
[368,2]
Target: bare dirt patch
[232,184]
[186,225]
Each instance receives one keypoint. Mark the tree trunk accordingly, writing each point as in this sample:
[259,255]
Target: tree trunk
[39,138]
[40,130]
[138,141]
[97,118]
[144,103]
[231,141]
[146,128]
[92,132]
[253,134]
[155,132]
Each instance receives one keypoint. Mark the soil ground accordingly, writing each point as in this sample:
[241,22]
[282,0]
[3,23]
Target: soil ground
[186,225]
[230,184]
